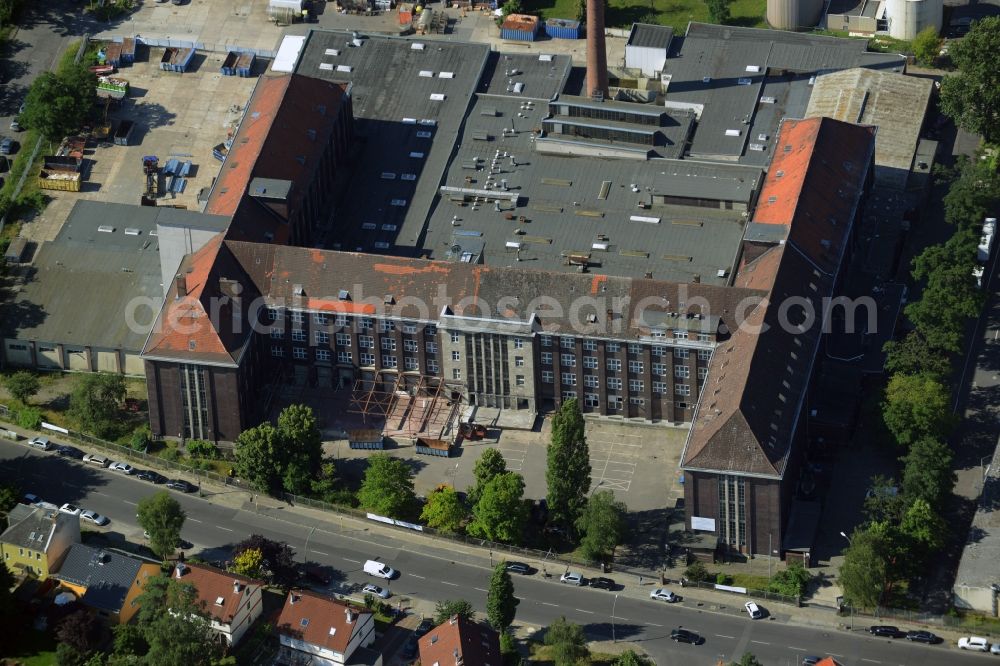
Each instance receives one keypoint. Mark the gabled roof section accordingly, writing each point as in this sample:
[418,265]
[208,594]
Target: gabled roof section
[320,620]
[460,641]
[221,592]
[813,187]
[106,575]
[35,530]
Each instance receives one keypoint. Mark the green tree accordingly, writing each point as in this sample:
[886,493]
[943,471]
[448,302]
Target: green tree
[925,530]
[278,566]
[748,659]
[67,655]
[199,448]
[257,452]
[927,472]
[302,440]
[175,624]
[96,401]
[602,525]
[297,477]
[162,516]
[914,356]
[22,385]
[500,513]
[568,472]
[142,437]
[57,104]
[129,639]
[29,418]
[511,7]
[80,630]
[248,563]
[972,96]
[632,658]
[444,510]
[697,572]
[567,641]
[718,10]
[324,486]
[865,573]
[973,190]
[883,501]
[448,608]
[489,465]
[926,46]
[501,604]
[10,495]
[793,581]
[916,406]
[387,488]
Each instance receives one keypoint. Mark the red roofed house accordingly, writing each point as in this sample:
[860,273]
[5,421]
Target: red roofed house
[460,642]
[321,631]
[232,602]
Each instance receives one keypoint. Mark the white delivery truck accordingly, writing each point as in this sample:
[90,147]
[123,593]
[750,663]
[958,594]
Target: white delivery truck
[379,570]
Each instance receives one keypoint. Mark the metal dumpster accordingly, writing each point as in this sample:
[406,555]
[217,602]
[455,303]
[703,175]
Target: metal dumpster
[366,439]
[433,447]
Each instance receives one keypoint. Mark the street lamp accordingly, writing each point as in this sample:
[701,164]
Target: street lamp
[849,542]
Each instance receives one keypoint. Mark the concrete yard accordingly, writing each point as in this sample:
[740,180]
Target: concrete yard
[176,116]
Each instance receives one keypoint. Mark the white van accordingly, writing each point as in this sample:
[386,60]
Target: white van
[379,570]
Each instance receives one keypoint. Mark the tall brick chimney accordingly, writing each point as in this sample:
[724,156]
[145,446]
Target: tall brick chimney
[597,56]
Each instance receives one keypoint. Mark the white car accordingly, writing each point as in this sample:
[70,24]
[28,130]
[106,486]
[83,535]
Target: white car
[753,610]
[663,594]
[42,443]
[122,467]
[572,578]
[94,517]
[71,509]
[94,459]
[372,588]
[995,649]
[975,643]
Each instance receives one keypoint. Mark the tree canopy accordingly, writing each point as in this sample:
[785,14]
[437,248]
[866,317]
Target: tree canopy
[277,559]
[58,103]
[913,355]
[927,471]
[180,636]
[602,525]
[972,96]
[865,574]
[22,385]
[500,513]
[501,604]
[489,465]
[568,472]
[916,406]
[719,11]
[96,401]
[444,510]
[162,516]
[287,457]
[568,642]
[447,608]
[926,46]
[387,488]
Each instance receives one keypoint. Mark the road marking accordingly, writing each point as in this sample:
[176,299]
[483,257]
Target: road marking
[653,624]
[355,561]
[132,503]
[790,647]
[414,575]
[580,610]
[479,588]
[871,661]
[724,636]
[757,642]
[194,520]
[545,603]
[320,552]
[223,528]
[444,582]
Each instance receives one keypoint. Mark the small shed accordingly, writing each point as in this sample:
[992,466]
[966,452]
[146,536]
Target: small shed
[128,50]
[647,47]
[113,54]
[16,250]
[519,28]
[563,28]
[176,59]
[433,447]
[238,64]
[366,439]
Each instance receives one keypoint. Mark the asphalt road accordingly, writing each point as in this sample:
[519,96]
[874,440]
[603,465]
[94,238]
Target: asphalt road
[214,529]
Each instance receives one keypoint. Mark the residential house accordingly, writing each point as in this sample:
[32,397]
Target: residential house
[315,630]
[106,581]
[232,602]
[37,539]
[460,642]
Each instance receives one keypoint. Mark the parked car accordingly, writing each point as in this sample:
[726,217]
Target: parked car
[69,451]
[122,467]
[885,630]
[923,637]
[602,583]
[974,643]
[7,146]
[422,628]
[15,124]
[150,475]
[571,578]
[685,636]
[94,517]
[663,594]
[94,459]
[372,588]
[42,443]
[995,649]
[71,509]
[181,485]
[753,610]
[518,568]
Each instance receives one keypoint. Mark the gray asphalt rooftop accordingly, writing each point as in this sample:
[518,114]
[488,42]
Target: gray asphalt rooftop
[79,285]
[649,35]
[543,75]
[747,79]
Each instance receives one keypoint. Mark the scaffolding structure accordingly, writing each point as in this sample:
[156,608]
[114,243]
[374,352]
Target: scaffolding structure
[428,408]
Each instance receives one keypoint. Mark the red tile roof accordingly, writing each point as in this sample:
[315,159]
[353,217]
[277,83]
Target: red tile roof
[221,591]
[460,641]
[320,620]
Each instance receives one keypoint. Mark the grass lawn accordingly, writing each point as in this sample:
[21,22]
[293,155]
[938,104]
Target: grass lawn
[675,13]
[540,655]
[35,648]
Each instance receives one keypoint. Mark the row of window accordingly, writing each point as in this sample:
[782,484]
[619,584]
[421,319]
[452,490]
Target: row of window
[615,401]
[364,341]
[615,365]
[366,359]
[569,342]
[615,383]
[364,323]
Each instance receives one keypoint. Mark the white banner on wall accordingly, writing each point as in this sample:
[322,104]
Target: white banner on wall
[707,524]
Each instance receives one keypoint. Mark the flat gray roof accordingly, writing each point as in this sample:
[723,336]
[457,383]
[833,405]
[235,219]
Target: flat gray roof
[543,75]
[648,35]
[978,566]
[79,286]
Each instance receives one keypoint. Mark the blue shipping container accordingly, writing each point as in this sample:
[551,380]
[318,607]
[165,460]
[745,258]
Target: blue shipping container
[517,35]
[562,29]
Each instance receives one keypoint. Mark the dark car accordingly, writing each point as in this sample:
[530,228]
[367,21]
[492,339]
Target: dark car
[410,647]
[181,485]
[923,637]
[602,583]
[685,636]
[885,630]
[69,451]
[8,146]
[518,568]
[150,475]
[318,575]
[425,626]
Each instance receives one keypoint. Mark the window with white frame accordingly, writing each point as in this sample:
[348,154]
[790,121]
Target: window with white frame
[566,342]
[659,369]
[659,387]
[456,356]
[637,401]
[612,347]
[519,380]
[410,345]
[704,354]
[431,347]
[343,339]
[389,344]
[614,383]
[682,389]
[366,341]
[704,337]
[635,366]
[518,361]
[277,351]
[682,371]
[659,350]
[702,373]
[323,338]
[456,373]
[298,317]
[680,352]
[454,338]
[341,320]
[277,334]
[591,381]
[300,353]
[430,330]
[409,328]
[568,360]
[568,378]
[389,361]
[680,335]
[614,364]
[635,385]
[546,340]
[367,359]
[272,314]
[568,395]
[342,356]
[615,402]
[518,343]
[386,325]
[634,348]
[432,366]
[411,363]
[591,400]
[548,376]
[366,323]
[590,362]
[546,358]
[590,345]
[320,319]
[299,335]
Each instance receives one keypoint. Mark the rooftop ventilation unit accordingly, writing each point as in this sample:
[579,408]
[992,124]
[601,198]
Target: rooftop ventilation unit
[424,134]
[343,295]
[345,68]
[417,46]
[545,57]
[131,231]
[417,155]
[409,121]
[332,52]
[388,175]
[744,81]
[326,66]
[753,69]
[437,97]
[429,122]
[106,229]
[733,132]
[369,226]
[426,73]
[446,75]
[408,176]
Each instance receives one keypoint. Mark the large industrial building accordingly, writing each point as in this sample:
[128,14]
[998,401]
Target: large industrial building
[411,221]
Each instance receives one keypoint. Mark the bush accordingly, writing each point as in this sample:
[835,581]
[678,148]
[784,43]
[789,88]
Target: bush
[199,448]
[29,418]
[697,572]
[792,582]
[171,454]
[141,438]
[722,579]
